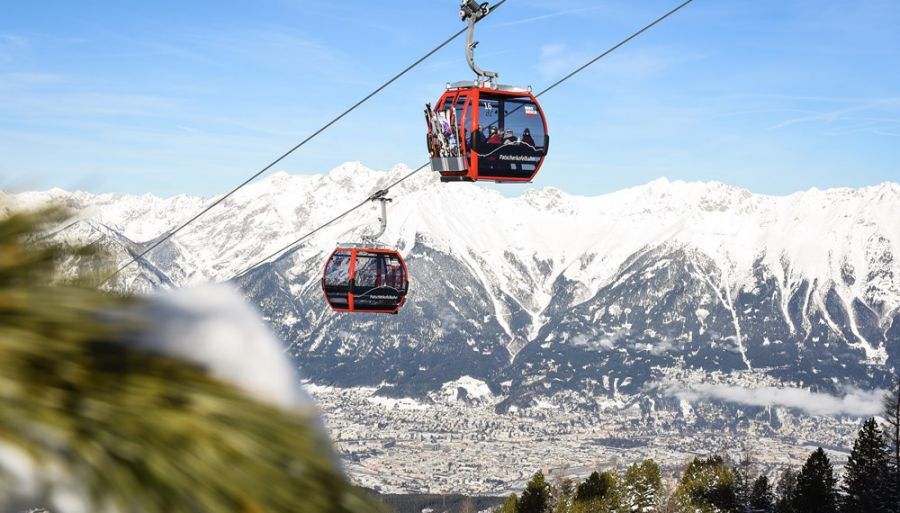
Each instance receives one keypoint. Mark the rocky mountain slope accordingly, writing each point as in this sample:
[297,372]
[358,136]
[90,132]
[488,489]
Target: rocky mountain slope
[546,296]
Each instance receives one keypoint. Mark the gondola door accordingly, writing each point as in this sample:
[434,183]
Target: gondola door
[336,281]
[378,282]
[513,140]
[448,132]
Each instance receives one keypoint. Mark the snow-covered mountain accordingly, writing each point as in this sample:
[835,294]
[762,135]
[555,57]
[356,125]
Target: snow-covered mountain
[547,295]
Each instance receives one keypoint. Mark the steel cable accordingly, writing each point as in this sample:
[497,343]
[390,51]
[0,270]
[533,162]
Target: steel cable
[423,166]
[168,235]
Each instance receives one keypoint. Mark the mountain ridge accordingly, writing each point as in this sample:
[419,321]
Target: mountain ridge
[668,275]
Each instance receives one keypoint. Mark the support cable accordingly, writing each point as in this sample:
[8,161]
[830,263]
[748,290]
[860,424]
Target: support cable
[374,197]
[384,191]
[168,235]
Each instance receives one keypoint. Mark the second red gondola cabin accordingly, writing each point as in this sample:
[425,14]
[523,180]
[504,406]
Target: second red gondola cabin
[365,279]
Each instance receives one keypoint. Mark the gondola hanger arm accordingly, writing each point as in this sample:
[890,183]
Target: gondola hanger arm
[380,197]
[471,12]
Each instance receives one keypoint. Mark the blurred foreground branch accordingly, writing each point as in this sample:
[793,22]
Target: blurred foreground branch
[88,422]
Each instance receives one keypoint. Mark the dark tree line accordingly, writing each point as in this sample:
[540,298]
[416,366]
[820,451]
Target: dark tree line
[870,483]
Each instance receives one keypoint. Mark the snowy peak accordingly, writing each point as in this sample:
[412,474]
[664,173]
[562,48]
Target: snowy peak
[705,273]
[825,235]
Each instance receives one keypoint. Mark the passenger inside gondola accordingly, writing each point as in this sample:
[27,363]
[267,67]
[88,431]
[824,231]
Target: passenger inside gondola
[495,136]
[498,135]
[479,139]
[527,139]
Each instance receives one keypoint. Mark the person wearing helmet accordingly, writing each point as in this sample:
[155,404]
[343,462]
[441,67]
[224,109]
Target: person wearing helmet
[527,139]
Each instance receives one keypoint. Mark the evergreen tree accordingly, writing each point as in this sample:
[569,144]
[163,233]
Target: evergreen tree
[787,492]
[891,413]
[816,491]
[594,487]
[742,484]
[667,499]
[509,505]
[131,430]
[563,496]
[536,496]
[867,475]
[641,487]
[707,485]
[599,493]
[761,499]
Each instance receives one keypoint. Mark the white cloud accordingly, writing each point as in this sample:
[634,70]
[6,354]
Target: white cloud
[557,59]
[665,345]
[854,401]
[629,64]
[605,342]
[27,79]
[11,45]
[565,12]
[876,115]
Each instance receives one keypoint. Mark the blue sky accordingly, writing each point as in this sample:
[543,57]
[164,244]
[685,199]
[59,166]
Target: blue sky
[169,97]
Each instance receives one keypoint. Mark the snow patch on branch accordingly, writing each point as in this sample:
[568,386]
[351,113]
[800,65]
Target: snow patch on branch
[214,327]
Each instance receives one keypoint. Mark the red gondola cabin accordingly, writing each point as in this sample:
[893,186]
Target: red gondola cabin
[365,279]
[481,132]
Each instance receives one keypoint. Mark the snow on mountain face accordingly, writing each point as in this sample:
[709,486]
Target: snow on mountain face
[546,292]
